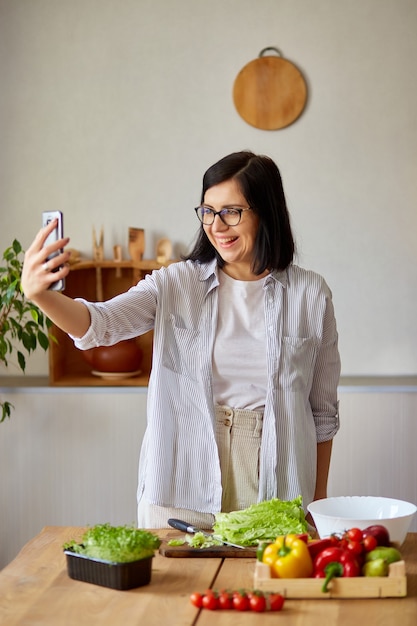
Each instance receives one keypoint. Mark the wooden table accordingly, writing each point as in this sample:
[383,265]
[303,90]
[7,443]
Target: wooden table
[36,590]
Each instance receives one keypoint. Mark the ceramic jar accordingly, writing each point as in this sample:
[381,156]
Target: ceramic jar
[125,356]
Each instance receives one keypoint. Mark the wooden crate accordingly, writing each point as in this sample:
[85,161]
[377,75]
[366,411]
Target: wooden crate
[392,586]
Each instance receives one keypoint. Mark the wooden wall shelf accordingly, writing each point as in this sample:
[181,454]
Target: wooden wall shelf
[96,281]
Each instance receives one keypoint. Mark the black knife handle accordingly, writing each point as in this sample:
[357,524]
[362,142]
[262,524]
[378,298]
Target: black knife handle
[180,525]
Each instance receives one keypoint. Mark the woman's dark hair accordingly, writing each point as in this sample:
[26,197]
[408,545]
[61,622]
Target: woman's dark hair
[260,183]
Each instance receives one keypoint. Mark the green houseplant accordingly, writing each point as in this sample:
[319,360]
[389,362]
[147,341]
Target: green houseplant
[22,325]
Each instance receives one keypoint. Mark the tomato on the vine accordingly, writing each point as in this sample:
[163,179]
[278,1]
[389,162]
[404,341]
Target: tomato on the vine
[240,602]
[356,547]
[276,601]
[196,599]
[369,543]
[257,602]
[210,601]
[343,543]
[354,534]
[225,600]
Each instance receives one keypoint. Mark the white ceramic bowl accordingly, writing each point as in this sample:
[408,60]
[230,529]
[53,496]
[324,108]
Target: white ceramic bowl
[334,515]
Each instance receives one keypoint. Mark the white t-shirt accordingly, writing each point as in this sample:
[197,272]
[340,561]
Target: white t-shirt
[239,356]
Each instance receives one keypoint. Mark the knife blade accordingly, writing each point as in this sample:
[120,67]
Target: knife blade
[188,528]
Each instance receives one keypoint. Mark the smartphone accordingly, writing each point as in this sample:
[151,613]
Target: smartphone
[57,233]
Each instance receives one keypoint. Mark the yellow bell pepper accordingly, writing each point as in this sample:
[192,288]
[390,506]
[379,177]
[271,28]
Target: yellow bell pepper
[288,557]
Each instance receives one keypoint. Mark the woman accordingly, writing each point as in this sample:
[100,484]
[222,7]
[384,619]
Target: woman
[242,399]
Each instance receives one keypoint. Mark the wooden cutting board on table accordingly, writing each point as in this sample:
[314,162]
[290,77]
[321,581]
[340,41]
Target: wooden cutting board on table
[186,551]
[270,92]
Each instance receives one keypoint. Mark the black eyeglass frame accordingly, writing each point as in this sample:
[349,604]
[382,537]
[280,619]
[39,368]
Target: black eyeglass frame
[219,213]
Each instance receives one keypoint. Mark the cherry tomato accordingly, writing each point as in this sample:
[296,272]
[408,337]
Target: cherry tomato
[369,543]
[354,534]
[240,602]
[210,602]
[225,600]
[343,542]
[347,557]
[355,546]
[257,603]
[275,601]
[196,599]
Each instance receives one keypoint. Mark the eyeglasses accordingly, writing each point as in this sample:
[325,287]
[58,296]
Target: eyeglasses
[230,216]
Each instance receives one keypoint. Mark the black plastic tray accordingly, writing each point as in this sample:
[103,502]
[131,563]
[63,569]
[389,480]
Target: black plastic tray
[114,575]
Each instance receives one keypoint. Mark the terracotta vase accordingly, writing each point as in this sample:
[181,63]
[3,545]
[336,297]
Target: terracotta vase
[125,356]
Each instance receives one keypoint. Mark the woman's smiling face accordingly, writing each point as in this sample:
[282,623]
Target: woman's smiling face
[235,244]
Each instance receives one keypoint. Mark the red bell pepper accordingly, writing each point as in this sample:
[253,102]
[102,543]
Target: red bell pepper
[315,546]
[334,562]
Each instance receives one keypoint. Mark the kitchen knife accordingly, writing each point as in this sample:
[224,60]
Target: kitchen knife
[187,528]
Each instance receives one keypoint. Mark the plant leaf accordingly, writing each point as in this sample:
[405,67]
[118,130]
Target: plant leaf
[6,408]
[22,361]
[43,340]
[17,247]
[29,341]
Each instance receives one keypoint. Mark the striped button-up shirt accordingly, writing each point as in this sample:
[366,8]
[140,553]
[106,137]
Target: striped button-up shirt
[179,464]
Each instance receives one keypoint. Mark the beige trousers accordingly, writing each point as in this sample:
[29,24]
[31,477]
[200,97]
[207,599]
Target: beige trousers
[238,435]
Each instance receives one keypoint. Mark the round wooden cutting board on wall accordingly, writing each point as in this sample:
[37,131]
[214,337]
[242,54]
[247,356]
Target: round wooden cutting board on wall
[270,92]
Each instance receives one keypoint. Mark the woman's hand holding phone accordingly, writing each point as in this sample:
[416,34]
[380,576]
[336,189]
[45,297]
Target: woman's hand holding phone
[46,262]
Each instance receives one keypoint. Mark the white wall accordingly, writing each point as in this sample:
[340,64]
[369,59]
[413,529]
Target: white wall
[112,109]
[68,457]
